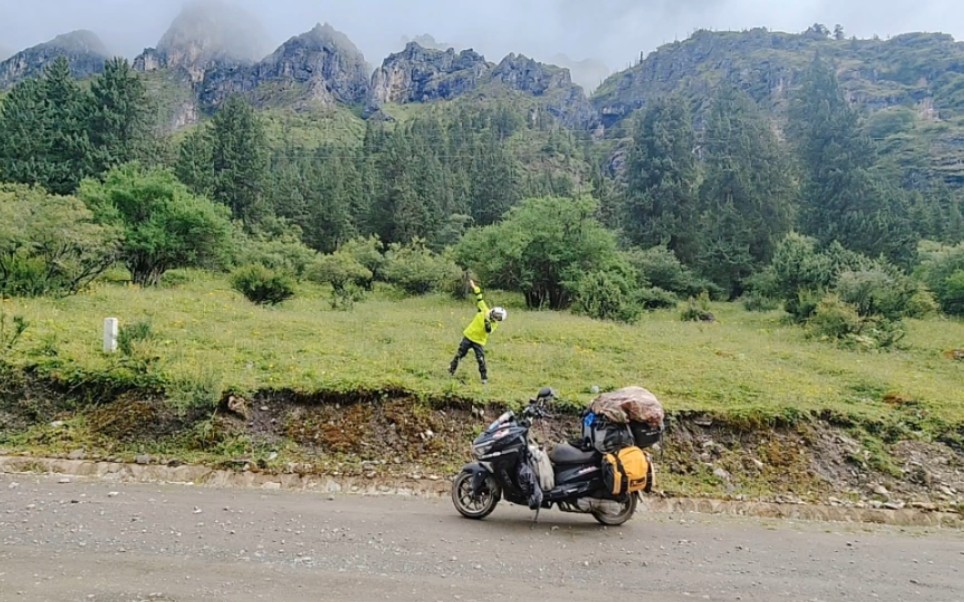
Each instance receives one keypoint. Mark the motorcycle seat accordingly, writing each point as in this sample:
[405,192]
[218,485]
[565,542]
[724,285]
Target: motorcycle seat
[564,453]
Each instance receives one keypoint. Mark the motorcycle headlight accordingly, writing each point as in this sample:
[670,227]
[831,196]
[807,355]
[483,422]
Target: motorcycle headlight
[482,449]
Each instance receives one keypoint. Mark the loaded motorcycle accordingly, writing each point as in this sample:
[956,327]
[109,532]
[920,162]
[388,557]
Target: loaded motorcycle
[583,478]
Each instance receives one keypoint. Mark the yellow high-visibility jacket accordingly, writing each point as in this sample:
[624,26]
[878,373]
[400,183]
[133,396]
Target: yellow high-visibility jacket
[481,326]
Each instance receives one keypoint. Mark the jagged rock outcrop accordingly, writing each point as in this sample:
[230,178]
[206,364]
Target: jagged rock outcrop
[83,49]
[904,70]
[419,74]
[563,99]
[528,75]
[321,66]
[206,34]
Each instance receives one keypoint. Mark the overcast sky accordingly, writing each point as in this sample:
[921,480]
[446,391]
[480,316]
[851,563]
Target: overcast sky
[613,31]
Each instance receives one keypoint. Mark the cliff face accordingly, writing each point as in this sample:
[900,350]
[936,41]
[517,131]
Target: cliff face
[911,69]
[553,85]
[321,66]
[83,50]
[206,34]
[420,74]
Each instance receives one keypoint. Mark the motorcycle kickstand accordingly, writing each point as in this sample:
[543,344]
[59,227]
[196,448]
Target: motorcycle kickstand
[535,519]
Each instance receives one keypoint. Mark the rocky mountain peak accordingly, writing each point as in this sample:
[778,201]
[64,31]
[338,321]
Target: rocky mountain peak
[523,73]
[418,74]
[320,65]
[81,41]
[83,49]
[207,33]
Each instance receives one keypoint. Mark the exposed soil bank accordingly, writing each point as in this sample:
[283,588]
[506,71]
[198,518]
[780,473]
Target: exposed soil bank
[390,442]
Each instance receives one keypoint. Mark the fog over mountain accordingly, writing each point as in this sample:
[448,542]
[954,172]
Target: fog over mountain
[600,36]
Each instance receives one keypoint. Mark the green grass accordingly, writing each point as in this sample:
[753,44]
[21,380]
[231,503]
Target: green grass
[744,365]
[312,126]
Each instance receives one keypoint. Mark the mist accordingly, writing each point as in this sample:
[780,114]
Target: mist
[612,33]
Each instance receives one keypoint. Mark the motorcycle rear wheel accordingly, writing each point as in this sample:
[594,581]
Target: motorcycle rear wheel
[469,506]
[614,520]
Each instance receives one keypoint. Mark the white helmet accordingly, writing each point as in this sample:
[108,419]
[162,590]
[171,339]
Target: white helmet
[499,313]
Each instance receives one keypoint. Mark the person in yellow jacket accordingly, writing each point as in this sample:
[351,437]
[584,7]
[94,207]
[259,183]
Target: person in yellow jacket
[476,334]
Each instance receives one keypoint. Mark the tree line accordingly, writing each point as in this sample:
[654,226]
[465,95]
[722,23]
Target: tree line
[709,194]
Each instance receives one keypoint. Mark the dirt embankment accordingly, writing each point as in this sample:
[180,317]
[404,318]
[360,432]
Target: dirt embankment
[392,437]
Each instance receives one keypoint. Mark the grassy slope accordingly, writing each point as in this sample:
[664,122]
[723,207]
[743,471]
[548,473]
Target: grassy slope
[746,364]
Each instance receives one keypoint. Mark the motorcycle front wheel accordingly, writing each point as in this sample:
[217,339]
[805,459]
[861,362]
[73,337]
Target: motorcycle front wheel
[471,506]
[615,519]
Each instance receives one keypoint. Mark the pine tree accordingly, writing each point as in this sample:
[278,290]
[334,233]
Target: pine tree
[120,121]
[746,192]
[660,205]
[843,199]
[195,164]
[494,175]
[329,221]
[24,132]
[43,133]
[239,160]
[69,156]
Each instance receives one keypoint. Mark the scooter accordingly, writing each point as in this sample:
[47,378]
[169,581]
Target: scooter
[504,470]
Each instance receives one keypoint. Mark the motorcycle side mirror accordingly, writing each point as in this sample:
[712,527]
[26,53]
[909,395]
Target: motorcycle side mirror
[545,393]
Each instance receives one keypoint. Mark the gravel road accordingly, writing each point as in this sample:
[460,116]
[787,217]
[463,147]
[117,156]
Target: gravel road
[109,542]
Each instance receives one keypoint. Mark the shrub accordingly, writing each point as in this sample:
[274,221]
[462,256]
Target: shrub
[921,304]
[286,254]
[128,335]
[346,276]
[417,270]
[177,277]
[876,292]
[198,393]
[50,244]
[367,252]
[11,333]
[657,298]
[698,309]
[607,295]
[540,249]
[834,318]
[952,294]
[164,225]
[757,301]
[137,351]
[942,269]
[660,268]
[806,304]
[840,321]
[262,285]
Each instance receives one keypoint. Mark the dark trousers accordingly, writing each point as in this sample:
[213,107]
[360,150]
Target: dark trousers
[464,347]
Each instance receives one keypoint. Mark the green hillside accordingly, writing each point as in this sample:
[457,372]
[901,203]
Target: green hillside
[916,80]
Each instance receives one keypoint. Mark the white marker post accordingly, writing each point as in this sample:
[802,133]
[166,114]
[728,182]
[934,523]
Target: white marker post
[110,335]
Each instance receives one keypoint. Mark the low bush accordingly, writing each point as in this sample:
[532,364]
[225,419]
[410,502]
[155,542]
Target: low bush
[698,309]
[607,295]
[262,285]
[833,318]
[417,270]
[347,277]
[657,298]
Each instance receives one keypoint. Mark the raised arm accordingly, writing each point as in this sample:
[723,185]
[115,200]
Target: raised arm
[479,300]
